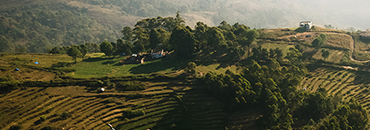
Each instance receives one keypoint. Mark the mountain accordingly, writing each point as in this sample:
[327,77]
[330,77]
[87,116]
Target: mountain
[38,25]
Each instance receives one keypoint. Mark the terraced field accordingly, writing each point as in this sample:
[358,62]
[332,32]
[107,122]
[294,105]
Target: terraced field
[344,83]
[167,105]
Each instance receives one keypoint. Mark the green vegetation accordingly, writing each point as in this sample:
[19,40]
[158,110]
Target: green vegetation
[132,113]
[319,41]
[43,118]
[204,74]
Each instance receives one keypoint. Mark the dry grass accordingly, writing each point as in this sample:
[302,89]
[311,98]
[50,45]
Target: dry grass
[339,40]
[88,108]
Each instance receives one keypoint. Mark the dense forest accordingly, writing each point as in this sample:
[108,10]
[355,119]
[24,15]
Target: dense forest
[38,28]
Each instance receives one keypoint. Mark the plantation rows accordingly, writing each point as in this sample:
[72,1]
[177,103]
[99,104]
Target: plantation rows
[343,83]
[164,107]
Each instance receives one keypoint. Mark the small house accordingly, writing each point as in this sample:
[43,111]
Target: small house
[157,54]
[36,63]
[16,69]
[306,24]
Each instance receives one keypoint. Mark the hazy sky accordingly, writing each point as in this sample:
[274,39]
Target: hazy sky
[288,13]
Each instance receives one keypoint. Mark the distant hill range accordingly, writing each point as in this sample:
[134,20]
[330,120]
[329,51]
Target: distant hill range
[38,25]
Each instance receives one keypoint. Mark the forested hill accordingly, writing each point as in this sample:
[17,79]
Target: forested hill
[38,25]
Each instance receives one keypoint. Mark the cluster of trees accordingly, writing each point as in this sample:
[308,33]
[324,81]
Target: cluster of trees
[37,28]
[171,34]
[319,41]
[273,87]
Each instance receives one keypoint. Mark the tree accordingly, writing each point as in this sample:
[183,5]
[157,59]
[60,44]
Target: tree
[319,41]
[182,40]
[252,36]
[164,38]
[106,48]
[83,50]
[154,38]
[74,53]
[178,19]
[123,47]
[201,35]
[141,39]
[294,56]
[127,33]
[190,69]
[225,26]
[216,39]
[325,53]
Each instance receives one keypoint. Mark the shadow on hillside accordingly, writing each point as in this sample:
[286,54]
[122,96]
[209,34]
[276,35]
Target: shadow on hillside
[161,65]
[300,30]
[361,78]
[176,119]
[309,54]
[97,59]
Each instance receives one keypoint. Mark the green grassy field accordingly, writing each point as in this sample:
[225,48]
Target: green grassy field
[112,67]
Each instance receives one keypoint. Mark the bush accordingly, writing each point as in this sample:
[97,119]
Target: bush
[132,113]
[64,115]
[131,85]
[16,127]
[43,118]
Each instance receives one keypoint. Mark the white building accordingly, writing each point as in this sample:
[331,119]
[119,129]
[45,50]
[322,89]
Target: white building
[306,24]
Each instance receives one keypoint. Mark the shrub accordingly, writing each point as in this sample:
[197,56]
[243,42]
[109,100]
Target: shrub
[15,127]
[43,118]
[64,115]
[131,85]
[132,113]
[135,96]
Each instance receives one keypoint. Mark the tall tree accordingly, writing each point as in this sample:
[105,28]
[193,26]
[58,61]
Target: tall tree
[141,39]
[123,47]
[83,50]
[154,38]
[251,37]
[201,35]
[216,39]
[179,20]
[127,33]
[74,52]
[164,38]
[182,40]
[225,26]
[106,48]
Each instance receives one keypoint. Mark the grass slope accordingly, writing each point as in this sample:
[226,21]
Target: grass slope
[167,105]
[343,83]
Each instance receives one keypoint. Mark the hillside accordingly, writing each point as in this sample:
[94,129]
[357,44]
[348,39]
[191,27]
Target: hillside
[163,74]
[38,26]
[166,105]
